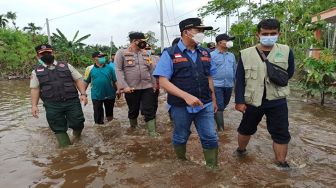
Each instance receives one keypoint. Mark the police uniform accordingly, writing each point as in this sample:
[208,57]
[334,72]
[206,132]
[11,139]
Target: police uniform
[134,70]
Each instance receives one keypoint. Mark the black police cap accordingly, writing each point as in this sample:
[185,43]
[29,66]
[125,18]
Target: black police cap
[43,48]
[98,54]
[224,37]
[193,23]
[136,35]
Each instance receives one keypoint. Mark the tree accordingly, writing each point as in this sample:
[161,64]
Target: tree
[12,16]
[3,21]
[69,50]
[32,28]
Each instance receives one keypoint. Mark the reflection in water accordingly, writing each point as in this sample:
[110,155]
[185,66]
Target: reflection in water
[112,155]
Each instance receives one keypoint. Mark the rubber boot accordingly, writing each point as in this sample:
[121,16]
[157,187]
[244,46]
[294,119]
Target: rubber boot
[63,139]
[151,128]
[133,122]
[180,151]
[210,156]
[219,121]
[77,133]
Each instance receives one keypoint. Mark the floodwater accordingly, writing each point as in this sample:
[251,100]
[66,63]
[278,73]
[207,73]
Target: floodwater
[112,155]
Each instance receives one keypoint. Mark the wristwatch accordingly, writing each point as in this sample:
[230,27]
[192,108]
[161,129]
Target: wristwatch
[84,94]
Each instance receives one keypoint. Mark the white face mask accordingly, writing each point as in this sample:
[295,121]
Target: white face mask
[198,37]
[229,44]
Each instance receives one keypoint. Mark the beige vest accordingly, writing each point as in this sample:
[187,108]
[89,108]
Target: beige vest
[256,74]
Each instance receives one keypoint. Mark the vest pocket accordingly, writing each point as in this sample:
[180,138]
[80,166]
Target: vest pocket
[46,91]
[42,76]
[206,68]
[282,92]
[69,88]
[182,70]
[251,73]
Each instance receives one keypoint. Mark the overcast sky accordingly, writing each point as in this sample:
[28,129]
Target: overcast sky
[115,18]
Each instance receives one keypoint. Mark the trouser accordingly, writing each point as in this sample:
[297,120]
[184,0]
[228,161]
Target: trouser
[204,123]
[144,98]
[98,111]
[276,120]
[223,96]
[62,115]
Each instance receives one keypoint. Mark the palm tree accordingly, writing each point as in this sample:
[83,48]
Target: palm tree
[3,21]
[32,28]
[12,16]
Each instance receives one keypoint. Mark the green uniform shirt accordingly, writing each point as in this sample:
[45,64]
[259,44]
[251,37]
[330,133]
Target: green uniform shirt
[102,80]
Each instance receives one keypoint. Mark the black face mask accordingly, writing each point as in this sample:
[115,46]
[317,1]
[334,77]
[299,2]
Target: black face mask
[142,44]
[48,58]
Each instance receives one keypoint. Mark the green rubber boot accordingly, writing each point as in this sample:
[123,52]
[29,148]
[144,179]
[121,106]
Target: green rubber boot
[133,122]
[180,151]
[210,156]
[63,139]
[219,121]
[77,133]
[151,128]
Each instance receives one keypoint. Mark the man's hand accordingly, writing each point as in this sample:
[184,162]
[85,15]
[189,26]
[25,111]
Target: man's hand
[193,101]
[128,90]
[241,108]
[215,107]
[83,99]
[35,111]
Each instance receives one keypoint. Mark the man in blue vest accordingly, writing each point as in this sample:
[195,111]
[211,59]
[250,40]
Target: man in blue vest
[56,83]
[103,87]
[256,95]
[185,71]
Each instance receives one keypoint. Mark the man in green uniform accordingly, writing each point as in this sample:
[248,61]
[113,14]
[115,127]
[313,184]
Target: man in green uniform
[56,83]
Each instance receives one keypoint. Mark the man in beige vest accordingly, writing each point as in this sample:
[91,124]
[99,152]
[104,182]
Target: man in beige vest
[257,96]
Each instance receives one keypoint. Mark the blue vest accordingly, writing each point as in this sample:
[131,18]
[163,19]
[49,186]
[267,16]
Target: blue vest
[189,76]
[56,84]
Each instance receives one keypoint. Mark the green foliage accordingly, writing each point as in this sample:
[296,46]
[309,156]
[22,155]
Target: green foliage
[316,76]
[71,51]
[17,54]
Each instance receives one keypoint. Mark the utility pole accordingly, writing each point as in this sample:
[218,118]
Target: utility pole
[48,31]
[111,43]
[161,26]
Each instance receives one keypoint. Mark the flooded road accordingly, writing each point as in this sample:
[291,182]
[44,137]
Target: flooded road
[112,155]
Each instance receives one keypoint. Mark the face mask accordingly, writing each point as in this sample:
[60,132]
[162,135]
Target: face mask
[149,52]
[268,40]
[48,59]
[40,62]
[229,44]
[198,38]
[101,60]
[142,44]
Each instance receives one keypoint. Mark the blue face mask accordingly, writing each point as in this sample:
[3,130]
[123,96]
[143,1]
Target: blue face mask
[101,60]
[268,40]
[40,62]
[149,52]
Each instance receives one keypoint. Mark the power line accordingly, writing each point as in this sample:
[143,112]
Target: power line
[80,11]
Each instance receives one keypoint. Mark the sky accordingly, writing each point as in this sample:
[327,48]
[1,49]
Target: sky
[108,19]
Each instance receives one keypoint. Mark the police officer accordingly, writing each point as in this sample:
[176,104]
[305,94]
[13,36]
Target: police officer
[185,70]
[56,83]
[134,69]
[257,96]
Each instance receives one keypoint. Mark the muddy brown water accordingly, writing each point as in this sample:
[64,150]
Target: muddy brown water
[113,155]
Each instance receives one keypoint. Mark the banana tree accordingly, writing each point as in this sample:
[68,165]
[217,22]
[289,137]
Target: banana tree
[69,50]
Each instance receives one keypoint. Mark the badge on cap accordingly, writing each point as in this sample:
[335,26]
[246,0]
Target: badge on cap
[62,65]
[130,62]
